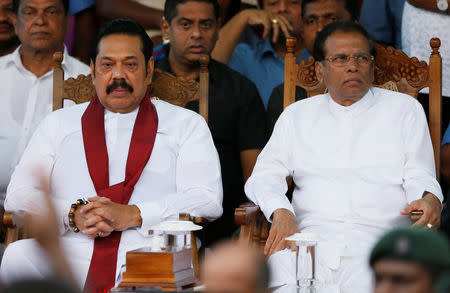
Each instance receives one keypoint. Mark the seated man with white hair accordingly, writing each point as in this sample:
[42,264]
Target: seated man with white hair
[138,160]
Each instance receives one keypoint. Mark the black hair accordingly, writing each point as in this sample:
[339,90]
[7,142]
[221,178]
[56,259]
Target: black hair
[39,286]
[170,8]
[123,26]
[340,26]
[16,4]
[233,9]
[351,6]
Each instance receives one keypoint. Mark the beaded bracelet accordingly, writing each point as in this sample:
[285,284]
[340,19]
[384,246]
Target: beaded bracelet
[71,215]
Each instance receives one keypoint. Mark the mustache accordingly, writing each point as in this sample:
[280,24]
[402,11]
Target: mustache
[10,25]
[119,83]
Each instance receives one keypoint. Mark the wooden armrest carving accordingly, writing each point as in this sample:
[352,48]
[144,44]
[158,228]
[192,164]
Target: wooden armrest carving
[244,214]
[254,226]
[8,219]
[196,220]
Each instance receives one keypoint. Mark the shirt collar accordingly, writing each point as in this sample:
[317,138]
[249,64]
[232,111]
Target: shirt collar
[354,109]
[264,47]
[17,60]
[111,115]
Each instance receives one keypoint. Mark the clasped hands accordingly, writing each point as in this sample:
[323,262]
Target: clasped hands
[102,216]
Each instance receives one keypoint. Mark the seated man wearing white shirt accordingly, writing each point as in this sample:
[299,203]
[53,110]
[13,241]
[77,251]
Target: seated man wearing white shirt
[361,159]
[140,161]
[27,76]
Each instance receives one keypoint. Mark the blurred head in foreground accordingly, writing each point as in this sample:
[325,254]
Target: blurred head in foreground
[235,268]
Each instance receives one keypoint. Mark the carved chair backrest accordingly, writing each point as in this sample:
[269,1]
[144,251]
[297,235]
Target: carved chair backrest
[165,86]
[393,70]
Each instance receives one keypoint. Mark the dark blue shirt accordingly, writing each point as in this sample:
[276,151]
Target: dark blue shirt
[258,61]
[76,6]
[383,20]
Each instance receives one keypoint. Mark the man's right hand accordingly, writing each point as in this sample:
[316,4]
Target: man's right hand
[283,225]
[270,21]
[93,224]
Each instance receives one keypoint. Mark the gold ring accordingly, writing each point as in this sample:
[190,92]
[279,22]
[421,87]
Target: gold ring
[429,226]
[274,21]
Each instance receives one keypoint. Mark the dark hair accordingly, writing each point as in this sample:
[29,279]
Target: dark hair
[233,9]
[344,27]
[170,8]
[351,6]
[16,4]
[123,26]
[39,286]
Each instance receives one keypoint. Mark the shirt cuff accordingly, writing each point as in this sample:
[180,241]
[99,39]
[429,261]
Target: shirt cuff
[151,214]
[274,204]
[416,192]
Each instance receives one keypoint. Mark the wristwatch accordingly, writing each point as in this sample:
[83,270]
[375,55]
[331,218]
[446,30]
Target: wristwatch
[442,5]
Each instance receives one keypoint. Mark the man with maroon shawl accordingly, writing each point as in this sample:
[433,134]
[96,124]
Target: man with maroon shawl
[138,160]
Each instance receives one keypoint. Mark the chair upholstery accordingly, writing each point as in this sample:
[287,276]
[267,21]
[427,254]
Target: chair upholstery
[394,70]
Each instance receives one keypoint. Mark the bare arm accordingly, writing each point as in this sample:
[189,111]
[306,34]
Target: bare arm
[430,5]
[231,32]
[148,17]
[248,160]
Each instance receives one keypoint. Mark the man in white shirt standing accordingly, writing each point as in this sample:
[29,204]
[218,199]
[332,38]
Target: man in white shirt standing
[27,76]
[361,159]
[139,161]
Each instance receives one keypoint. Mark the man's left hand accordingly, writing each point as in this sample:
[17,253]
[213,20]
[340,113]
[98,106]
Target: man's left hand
[119,216]
[431,207]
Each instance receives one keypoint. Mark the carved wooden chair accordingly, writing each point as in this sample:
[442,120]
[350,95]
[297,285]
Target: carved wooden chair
[394,70]
[165,86]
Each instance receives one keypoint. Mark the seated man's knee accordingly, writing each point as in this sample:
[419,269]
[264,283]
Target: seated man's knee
[23,259]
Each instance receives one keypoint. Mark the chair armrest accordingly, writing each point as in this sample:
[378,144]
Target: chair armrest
[196,220]
[8,219]
[254,225]
[13,221]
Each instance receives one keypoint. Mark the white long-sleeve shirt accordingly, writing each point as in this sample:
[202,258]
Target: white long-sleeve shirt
[352,166]
[24,101]
[182,174]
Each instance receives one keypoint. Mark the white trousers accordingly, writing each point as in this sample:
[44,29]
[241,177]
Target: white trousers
[24,259]
[342,259]
[352,274]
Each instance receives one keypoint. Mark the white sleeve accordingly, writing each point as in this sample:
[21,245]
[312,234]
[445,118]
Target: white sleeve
[267,185]
[25,189]
[419,168]
[198,181]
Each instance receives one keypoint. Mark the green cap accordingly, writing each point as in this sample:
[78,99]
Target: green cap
[443,283]
[417,245]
